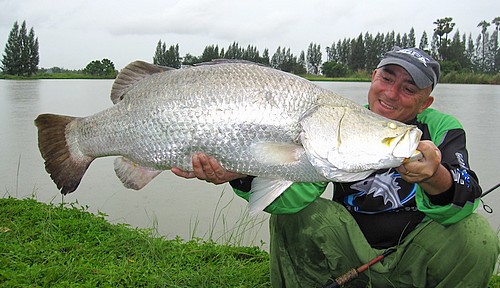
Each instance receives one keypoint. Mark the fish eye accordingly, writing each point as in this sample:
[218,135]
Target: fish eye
[392,125]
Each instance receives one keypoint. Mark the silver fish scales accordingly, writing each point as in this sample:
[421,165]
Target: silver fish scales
[255,120]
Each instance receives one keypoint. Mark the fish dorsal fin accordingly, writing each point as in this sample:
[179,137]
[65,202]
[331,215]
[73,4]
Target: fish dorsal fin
[131,74]
[227,61]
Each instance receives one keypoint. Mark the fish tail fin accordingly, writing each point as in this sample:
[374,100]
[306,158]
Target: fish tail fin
[63,162]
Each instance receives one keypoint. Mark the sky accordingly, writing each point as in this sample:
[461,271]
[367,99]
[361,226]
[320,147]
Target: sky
[73,33]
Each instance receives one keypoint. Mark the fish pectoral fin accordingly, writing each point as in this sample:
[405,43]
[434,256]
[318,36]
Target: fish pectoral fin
[132,175]
[264,191]
[130,75]
[272,153]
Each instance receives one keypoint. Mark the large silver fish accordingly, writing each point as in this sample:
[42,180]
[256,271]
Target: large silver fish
[254,119]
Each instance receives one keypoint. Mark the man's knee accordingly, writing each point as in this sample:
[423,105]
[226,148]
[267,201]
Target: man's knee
[481,241]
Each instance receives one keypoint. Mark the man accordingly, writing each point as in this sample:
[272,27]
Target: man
[423,209]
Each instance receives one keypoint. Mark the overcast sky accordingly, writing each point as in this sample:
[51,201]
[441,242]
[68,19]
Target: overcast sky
[71,33]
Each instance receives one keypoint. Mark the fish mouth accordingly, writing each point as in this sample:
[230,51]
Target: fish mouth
[406,144]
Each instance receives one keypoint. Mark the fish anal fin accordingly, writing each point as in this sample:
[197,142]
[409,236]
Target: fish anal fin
[64,162]
[130,75]
[133,176]
[264,191]
[272,153]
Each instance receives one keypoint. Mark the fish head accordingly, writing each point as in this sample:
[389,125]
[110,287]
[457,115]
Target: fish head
[349,143]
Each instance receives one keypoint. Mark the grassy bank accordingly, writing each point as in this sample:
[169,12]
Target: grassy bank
[65,246]
[54,246]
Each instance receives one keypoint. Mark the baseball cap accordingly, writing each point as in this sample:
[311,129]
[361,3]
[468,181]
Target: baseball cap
[423,69]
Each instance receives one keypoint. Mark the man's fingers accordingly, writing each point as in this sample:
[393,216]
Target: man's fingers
[182,173]
[219,171]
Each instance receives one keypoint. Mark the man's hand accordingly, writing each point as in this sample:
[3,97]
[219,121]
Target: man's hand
[208,169]
[428,171]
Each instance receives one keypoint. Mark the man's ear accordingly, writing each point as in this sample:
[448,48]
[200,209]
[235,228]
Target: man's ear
[427,103]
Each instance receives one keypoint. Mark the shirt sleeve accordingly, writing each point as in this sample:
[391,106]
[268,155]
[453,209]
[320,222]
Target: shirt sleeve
[295,198]
[463,197]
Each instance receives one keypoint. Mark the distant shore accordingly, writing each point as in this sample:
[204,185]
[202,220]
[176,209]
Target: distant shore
[451,78]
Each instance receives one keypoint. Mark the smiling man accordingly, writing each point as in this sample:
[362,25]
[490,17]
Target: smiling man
[423,209]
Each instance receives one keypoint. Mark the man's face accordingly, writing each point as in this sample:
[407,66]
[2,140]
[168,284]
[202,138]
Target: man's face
[393,94]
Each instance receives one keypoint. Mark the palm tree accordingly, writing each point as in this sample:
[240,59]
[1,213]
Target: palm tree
[444,27]
[484,26]
[439,30]
[496,22]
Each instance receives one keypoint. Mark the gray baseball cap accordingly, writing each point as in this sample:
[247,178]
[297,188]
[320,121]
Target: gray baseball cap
[423,69]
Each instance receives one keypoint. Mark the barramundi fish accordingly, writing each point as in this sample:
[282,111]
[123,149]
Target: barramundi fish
[254,119]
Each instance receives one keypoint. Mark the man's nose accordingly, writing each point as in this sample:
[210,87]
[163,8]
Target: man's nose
[392,92]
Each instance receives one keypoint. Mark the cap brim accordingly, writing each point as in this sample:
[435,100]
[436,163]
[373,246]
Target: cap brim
[420,79]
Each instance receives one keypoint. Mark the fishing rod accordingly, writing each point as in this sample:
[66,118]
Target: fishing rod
[490,190]
[354,272]
[486,207]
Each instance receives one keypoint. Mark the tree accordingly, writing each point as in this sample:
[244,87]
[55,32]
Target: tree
[265,57]
[334,69]
[358,57]
[444,27]
[284,60]
[411,38]
[302,62]
[210,53]
[313,58]
[33,56]
[234,51]
[470,50]
[496,50]
[484,26]
[371,51]
[160,52]
[167,57]
[21,52]
[424,43]
[456,55]
[103,68]
[189,59]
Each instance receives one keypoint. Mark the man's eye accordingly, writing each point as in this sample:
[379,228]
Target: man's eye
[410,91]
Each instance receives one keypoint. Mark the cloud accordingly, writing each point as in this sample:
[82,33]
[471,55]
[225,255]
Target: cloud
[123,30]
[217,19]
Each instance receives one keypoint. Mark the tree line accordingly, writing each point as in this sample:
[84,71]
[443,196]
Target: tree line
[455,51]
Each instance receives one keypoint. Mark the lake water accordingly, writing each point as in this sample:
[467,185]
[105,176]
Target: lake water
[176,206]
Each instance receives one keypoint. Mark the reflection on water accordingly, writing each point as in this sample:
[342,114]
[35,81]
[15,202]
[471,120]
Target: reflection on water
[179,206]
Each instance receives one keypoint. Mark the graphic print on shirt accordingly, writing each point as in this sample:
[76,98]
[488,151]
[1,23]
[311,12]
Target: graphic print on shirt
[380,193]
[460,175]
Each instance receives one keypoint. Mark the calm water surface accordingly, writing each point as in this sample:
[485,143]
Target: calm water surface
[189,208]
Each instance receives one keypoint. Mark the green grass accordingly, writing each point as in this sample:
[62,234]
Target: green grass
[45,245]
